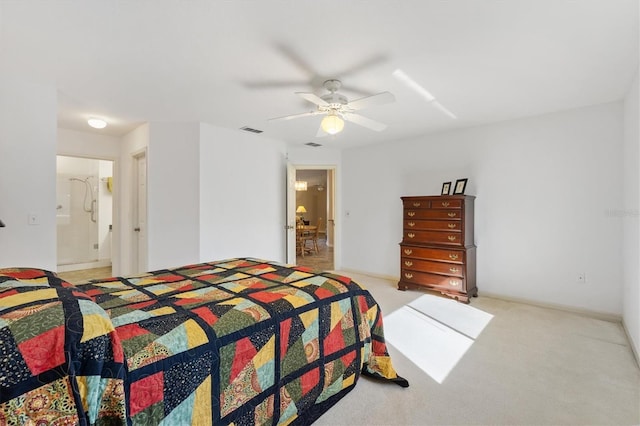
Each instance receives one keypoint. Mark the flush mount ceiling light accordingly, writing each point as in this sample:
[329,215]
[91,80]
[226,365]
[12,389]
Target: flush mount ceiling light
[97,123]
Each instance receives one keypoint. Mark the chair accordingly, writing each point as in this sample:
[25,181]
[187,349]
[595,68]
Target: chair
[315,235]
[302,236]
[322,228]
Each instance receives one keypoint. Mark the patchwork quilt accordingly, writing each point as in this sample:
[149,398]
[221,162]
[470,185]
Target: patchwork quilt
[239,341]
[61,362]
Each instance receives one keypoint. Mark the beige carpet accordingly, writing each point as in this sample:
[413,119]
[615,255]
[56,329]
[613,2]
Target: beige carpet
[529,366]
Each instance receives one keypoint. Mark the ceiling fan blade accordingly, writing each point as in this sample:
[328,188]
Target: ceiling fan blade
[364,121]
[292,116]
[296,59]
[365,64]
[416,87]
[273,84]
[313,98]
[368,101]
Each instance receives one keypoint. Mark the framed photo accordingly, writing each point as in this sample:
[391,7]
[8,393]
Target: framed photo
[461,184]
[446,187]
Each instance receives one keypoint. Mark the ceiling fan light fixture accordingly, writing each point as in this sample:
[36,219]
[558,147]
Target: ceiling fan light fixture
[332,124]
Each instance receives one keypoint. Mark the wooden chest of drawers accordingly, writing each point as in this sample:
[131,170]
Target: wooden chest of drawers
[437,250]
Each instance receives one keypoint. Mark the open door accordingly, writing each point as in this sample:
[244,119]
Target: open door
[139,260]
[290,227]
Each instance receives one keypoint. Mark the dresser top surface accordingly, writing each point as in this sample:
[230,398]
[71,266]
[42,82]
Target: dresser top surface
[439,197]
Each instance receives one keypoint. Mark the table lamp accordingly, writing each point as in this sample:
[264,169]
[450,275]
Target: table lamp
[301,210]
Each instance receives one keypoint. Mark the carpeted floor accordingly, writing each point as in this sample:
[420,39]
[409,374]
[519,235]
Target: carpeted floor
[528,366]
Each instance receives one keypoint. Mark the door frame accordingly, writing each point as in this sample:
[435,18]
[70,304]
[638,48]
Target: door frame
[116,246]
[291,209]
[138,262]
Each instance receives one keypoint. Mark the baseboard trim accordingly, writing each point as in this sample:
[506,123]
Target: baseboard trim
[369,274]
[580,311]
[633,348]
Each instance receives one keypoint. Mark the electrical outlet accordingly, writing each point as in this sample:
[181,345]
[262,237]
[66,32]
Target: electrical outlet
[581,277]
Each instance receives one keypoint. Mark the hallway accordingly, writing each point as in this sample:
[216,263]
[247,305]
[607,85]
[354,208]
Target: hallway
[323,260]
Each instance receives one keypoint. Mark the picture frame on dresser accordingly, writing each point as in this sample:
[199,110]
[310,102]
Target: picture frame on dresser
[461,185]
[446,187]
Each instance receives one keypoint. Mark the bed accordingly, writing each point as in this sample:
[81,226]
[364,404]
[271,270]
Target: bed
[239,341]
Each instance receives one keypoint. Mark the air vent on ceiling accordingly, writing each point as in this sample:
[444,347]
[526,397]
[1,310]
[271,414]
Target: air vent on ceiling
[313,144]
[249,129]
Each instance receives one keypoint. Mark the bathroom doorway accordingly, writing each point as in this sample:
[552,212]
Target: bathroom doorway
[84,212]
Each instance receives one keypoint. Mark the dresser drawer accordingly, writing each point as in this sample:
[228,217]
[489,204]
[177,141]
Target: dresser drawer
[444,255]
[435,280]
[444,214]
[447,204]
[435,225]
[452,269]
[438,237]
[416,204]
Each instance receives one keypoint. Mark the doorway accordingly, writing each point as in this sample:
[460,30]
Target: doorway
[314,206]
[84,213]
[139,190]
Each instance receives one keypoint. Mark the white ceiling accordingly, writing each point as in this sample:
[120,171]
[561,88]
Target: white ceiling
[238,63]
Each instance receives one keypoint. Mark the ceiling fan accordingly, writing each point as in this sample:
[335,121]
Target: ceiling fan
[336,108]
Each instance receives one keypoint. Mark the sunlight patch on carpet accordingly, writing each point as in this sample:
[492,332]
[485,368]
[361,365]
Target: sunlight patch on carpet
[435,333]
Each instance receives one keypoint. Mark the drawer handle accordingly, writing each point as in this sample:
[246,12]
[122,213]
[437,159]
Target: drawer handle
[453,256]
[411,214]
[411,235]
[454,270]
[453,283]
[408,275]
[445,204]
[452,214]
[411,224]
[416,204]
[451,237]
[408,263]
[409,251]
[452,226]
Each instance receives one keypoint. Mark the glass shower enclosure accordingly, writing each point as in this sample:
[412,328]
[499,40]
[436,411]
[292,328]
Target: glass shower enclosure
[83,213]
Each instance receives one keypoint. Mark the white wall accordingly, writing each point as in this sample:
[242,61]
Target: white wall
[173,194]
[85,144]
[27,174]
[544,188]
[630,216]
[242,195]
